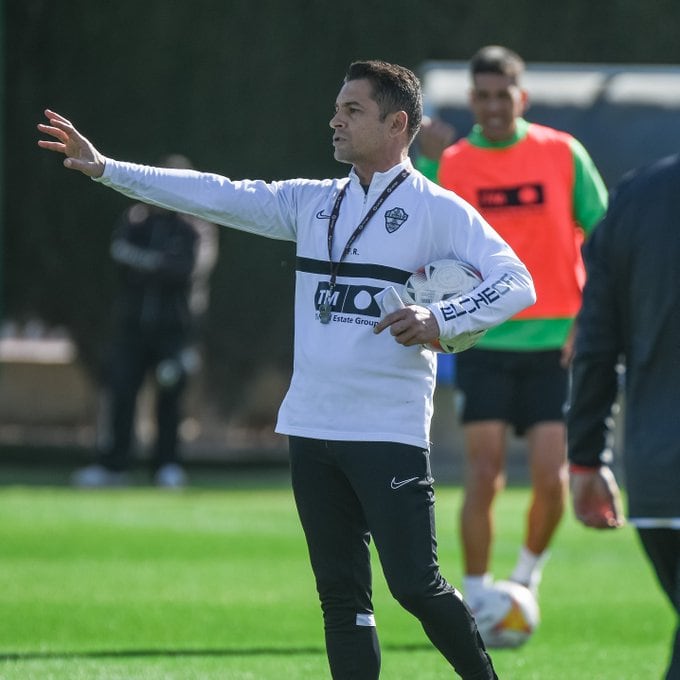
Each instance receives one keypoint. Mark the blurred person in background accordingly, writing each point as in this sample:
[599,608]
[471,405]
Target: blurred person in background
[164,259]
[540,190]
[631,315]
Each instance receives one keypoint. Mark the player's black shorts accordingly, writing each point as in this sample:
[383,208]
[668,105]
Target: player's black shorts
[519,388]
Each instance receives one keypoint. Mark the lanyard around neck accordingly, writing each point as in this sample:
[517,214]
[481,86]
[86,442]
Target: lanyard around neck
[325,309]
[335,266]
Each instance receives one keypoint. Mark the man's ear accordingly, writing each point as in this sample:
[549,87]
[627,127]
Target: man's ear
[399,123]
[525,100]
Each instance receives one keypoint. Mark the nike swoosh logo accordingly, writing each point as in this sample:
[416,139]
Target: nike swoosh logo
[321,215]
[397,485]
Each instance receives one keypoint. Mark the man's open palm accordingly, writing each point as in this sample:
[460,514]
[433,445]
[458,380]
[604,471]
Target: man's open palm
[80,153]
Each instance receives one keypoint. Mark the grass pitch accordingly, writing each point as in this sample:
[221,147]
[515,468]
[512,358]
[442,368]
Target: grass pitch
[214,582]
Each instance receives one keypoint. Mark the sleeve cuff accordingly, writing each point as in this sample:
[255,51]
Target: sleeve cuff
[108,162]
[438,316]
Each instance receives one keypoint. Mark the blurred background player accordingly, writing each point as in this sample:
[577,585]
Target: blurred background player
[538,188]
[164,259]
[631,311]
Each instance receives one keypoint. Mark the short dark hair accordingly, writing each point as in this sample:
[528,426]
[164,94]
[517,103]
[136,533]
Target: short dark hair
[395,88]
[499,60]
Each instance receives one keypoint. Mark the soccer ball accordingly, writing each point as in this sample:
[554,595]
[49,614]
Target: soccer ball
[508,615]
[443,280]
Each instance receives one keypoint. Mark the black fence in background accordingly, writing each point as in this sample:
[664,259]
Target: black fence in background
[246,89]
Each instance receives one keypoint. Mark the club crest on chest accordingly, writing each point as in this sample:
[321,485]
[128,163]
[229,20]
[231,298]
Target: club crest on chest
[394,218]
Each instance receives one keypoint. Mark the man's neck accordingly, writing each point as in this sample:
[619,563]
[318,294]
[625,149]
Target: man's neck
[478,138]
[365,172]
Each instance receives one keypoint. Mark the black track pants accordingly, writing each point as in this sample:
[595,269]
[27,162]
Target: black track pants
[348,492]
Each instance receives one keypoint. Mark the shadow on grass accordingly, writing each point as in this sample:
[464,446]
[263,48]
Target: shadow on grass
[53,467]
[142,653]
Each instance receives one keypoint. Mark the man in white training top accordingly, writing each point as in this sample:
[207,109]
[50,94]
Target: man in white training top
[359,406]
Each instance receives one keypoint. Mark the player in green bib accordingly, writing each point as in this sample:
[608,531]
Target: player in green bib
[540,190]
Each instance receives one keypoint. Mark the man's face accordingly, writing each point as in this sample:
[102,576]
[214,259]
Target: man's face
[359,134]
[496,101]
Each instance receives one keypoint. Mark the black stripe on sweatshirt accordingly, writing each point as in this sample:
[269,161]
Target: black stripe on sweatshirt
[353,271]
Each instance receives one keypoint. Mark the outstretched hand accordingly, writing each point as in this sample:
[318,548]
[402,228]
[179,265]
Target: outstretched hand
[80,153]
[596,498]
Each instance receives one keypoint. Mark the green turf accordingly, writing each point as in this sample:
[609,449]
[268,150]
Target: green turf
[214,583]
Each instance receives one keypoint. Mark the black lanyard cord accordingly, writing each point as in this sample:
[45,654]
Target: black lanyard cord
[335,266]
[325,308]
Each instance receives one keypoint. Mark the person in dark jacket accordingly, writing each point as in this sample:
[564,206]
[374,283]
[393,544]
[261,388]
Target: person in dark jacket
[631,317]
[158,254]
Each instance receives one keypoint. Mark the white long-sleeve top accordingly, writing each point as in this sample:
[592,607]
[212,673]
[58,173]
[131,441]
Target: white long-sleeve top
[349,383]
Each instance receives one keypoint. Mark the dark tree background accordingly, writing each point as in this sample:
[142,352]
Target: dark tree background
[245,89]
